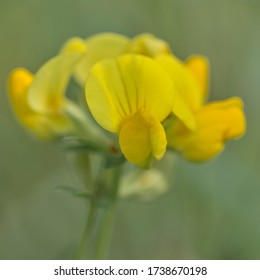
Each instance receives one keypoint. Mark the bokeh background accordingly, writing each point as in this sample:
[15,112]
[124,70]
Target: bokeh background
[212,210]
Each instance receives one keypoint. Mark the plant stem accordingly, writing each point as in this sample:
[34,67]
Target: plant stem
[107,219]
[95,241]
[103,239]
[84,245]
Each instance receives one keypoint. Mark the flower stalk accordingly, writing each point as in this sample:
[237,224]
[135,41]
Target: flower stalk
[101,214]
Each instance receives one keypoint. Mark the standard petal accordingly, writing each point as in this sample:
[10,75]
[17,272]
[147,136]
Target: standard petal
[18,83]
[47,91]
[199,66]
[147,85]
[184,80]
[73,45]
[217,122]
[147,44]
[103,90]
[44,126]
[99,47]
[141,137]
[118,88]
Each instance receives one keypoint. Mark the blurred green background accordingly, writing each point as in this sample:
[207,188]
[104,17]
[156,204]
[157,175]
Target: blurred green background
[212,210]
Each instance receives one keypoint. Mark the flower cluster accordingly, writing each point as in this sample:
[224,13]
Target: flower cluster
[136,89]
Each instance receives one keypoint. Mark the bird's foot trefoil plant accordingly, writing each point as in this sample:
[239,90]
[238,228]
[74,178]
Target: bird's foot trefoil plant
[136,105]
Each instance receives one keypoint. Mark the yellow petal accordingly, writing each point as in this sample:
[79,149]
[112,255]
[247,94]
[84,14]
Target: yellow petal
[158,139]
[181,110]
[199,66]
[18,83]
[184,80]
[118,88]
[47,91]
[42,125]
[230,112]
[99,47]
[217,122]
[148,45]
[75,44]
[142,136]
[183,86]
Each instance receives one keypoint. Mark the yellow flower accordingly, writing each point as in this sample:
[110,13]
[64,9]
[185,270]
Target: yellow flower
[131,96]
[216,122]
[39,101]
[110,45]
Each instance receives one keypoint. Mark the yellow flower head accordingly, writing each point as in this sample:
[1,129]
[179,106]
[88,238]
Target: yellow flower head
[216,122]
[131,96]
[131,87]
[39,101]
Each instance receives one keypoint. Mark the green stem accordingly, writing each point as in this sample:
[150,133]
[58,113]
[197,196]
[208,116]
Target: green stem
[103,239]
[84,245]
[107,220]
[99,225]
